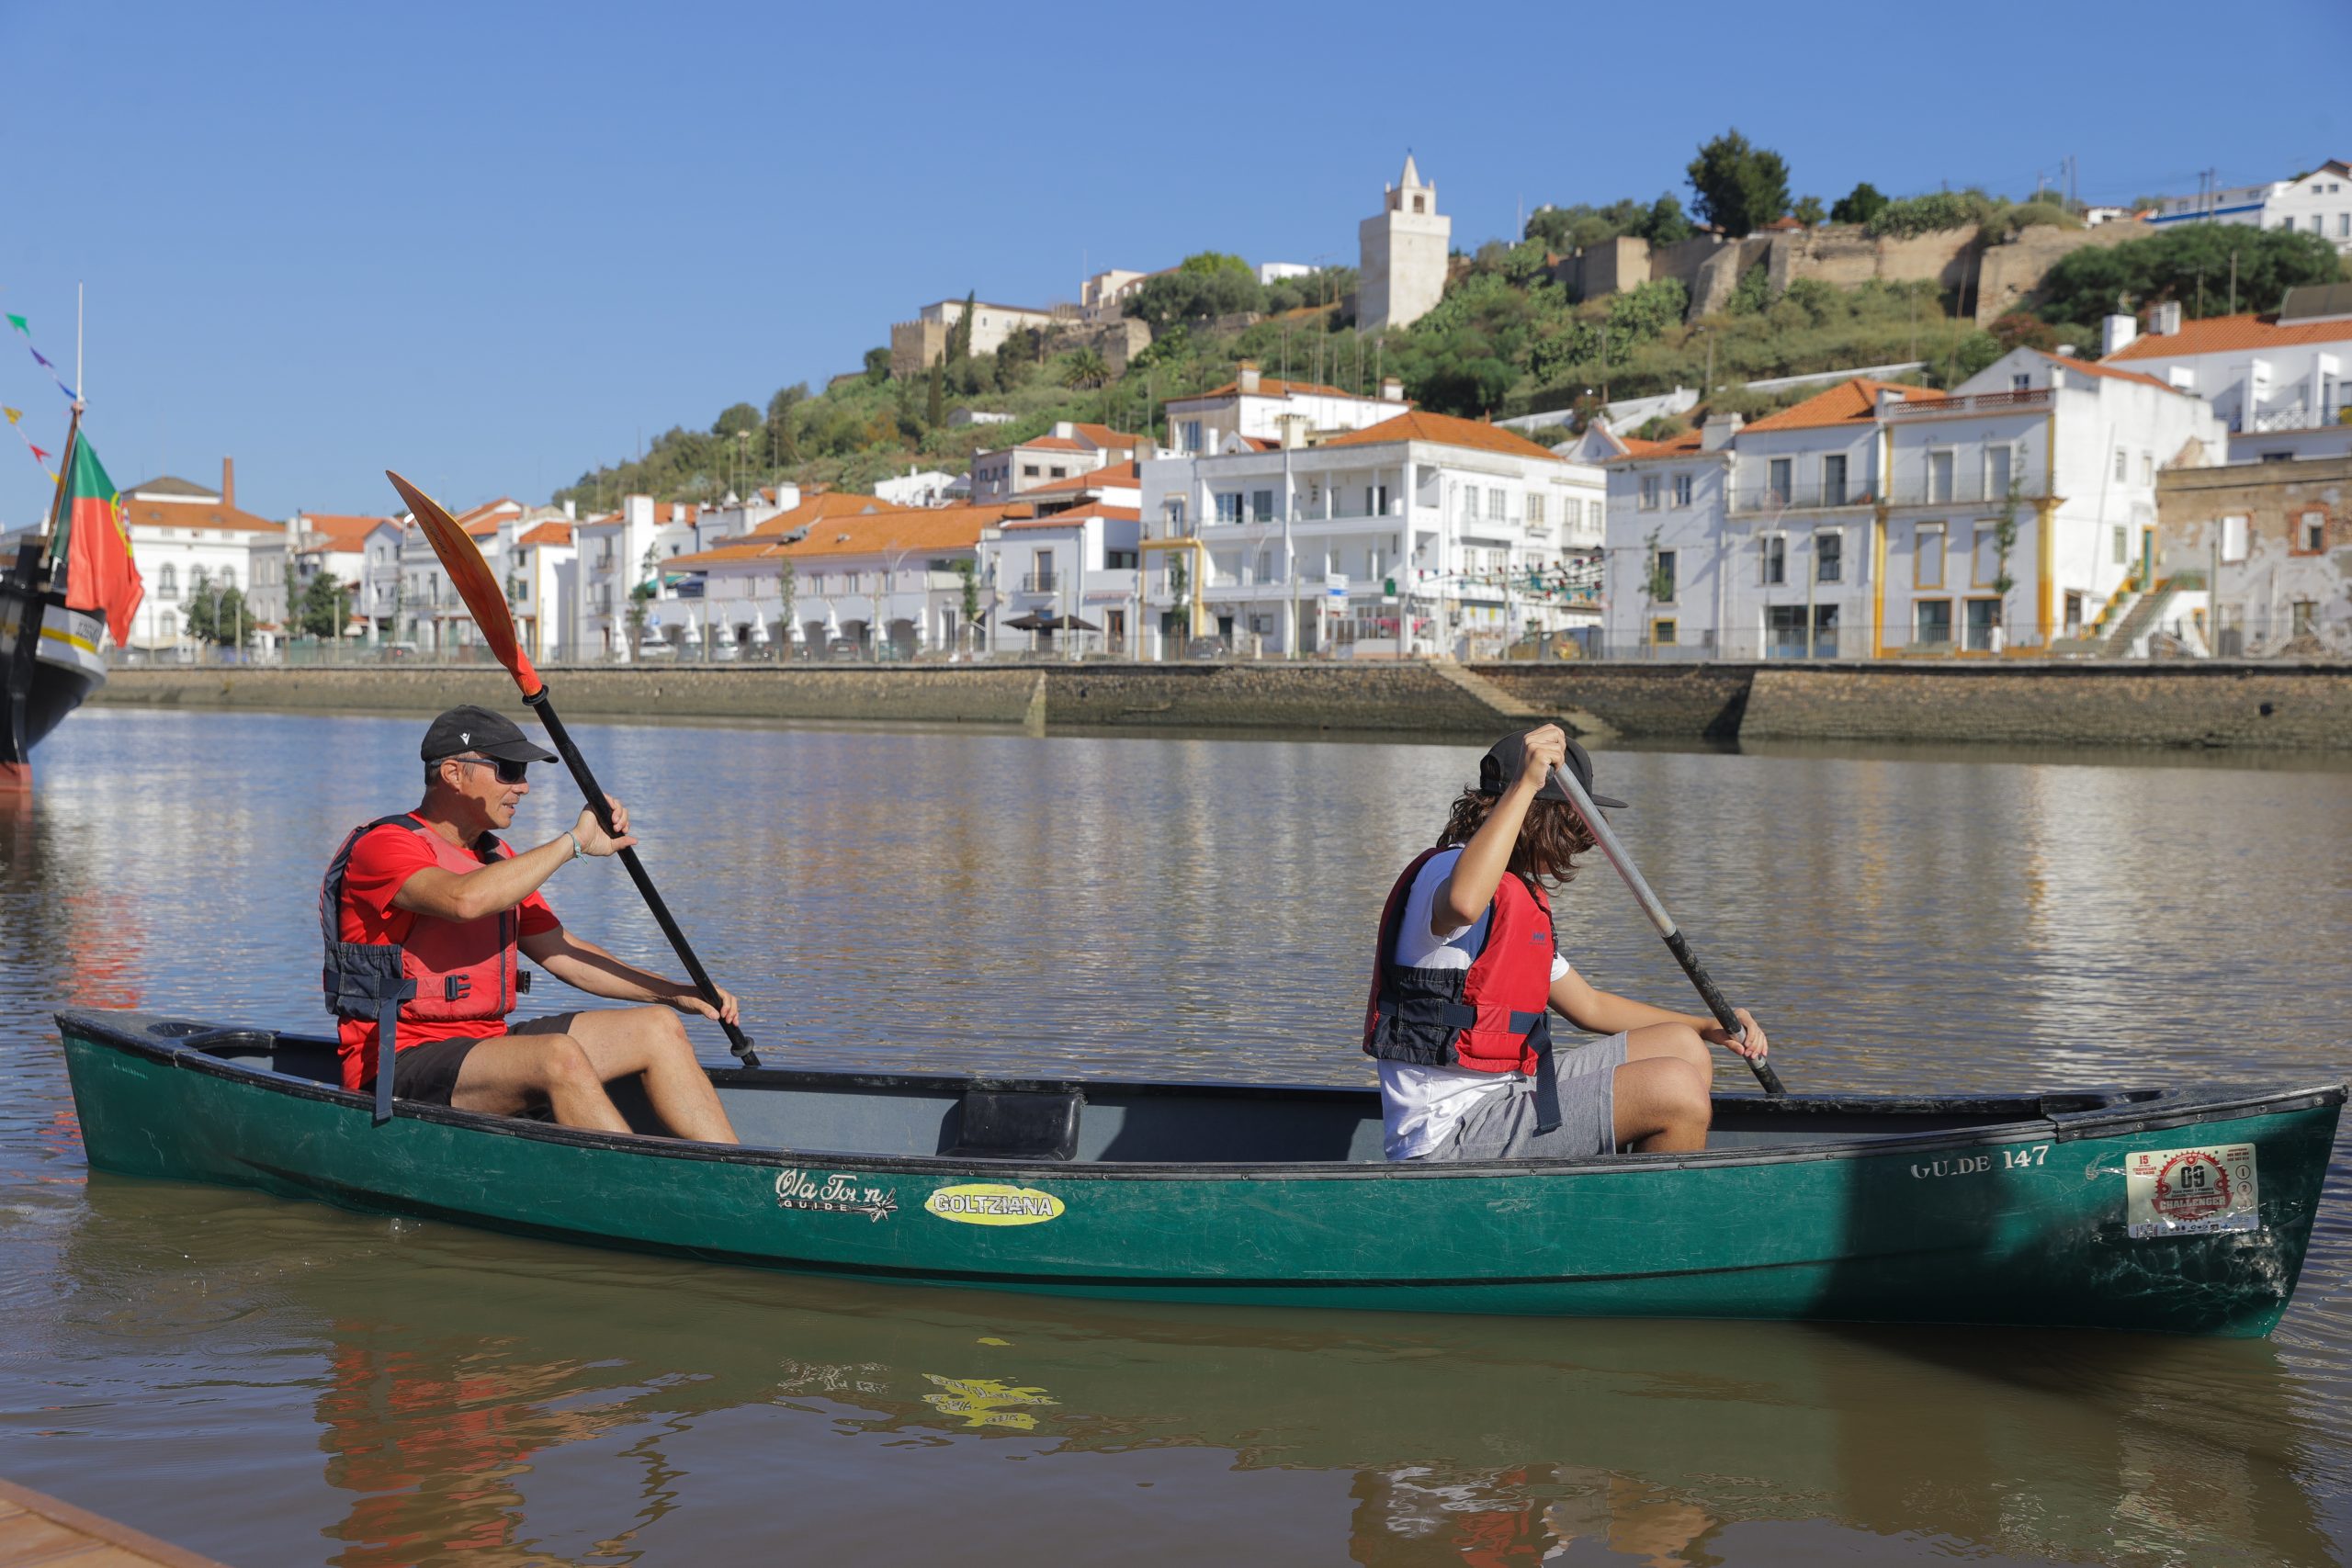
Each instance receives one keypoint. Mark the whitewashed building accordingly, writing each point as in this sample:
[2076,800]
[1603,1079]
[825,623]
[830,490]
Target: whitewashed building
[924,487]
[360,552]
[2263,374]
[1258,408]
[1470,522]
[2318,202]
[2015,514]
[1072,449]
[863,584]
[183,536]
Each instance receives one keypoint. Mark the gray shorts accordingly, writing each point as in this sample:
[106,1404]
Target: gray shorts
[1503,1126]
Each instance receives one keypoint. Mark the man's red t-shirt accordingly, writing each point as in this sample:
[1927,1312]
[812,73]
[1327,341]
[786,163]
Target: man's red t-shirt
[381,863]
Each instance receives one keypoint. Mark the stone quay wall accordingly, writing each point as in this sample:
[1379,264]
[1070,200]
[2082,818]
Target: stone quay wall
[2268,705]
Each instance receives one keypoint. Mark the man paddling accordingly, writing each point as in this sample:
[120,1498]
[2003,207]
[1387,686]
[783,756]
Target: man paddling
[1468,971]
[430,911]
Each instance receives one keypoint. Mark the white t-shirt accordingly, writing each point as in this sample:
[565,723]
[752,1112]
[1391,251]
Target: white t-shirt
[1421,1105]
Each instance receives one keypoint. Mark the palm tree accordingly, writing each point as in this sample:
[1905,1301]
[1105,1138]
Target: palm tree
[1084,368]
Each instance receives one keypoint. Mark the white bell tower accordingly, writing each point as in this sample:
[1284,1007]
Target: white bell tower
[1402,254]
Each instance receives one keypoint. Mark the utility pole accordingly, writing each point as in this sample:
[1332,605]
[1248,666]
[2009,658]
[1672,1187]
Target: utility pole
[2234,282]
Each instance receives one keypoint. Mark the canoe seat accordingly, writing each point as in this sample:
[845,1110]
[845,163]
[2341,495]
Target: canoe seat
[1006,1124]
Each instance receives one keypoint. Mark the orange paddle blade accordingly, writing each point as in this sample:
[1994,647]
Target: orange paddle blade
[461,558]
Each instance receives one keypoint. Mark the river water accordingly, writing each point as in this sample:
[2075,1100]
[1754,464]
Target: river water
[276,1382]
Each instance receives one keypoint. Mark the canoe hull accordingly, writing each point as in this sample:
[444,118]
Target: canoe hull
[2025,1227]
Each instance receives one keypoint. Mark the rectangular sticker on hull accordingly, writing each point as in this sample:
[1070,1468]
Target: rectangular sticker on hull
[2198,1191]
[993,1204]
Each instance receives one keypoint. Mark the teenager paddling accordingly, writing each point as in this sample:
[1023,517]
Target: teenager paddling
[1466,974]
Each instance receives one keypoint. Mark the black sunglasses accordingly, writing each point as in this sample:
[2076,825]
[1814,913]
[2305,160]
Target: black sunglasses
[509,771]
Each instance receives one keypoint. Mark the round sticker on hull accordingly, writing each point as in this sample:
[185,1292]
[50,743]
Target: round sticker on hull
[993,1204]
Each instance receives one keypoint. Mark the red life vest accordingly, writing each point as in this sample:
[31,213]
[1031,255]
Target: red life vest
[446,971]
[1494,1016]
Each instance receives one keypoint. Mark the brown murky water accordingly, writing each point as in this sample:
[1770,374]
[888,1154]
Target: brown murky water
[276,1382]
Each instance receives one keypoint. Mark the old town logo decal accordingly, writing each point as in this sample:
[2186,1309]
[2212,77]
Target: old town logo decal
[993,1204]
[2190,1192]
[834,1193]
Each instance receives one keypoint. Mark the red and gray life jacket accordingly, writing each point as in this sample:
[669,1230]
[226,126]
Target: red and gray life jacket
[446,971]
[1493,1017]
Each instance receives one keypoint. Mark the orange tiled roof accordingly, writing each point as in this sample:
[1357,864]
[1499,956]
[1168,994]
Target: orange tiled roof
[915,529]
[1118,476]
[2226,334]
[1445,430]
[340,533]
[546,533]
[1847,402]
[2108,370]
[1078,514]
[202,509]
[1685,444]
[816,509]
[1102,435]
[1273,386]
[1050,442]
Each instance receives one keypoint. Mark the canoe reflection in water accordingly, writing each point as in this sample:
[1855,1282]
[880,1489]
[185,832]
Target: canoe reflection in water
[481,1396]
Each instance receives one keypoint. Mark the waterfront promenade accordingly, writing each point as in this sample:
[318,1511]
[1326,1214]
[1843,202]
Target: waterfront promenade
[2253,704]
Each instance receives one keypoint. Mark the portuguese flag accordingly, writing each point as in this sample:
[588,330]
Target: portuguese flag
[95,543]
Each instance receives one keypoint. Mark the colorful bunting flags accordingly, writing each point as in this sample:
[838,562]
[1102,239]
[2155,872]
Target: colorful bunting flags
[42,360]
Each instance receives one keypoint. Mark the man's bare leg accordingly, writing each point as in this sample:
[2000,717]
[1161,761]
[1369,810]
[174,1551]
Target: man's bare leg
[652,1041]
[1662,1091]
[504,1075]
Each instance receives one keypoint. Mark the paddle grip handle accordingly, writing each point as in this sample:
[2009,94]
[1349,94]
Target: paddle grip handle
[538,701]
[1720,1005]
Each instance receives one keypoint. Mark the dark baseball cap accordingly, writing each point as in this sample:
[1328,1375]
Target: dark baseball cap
[1507,756]
[471,729]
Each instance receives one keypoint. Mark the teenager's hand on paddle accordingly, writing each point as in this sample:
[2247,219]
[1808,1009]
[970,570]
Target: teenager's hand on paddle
[1547,748]
[1753,1046]
[690,1000]
[594,841]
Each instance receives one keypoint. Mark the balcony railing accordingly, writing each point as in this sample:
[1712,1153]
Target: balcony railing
[1978,403]
[1815,497]
[1039,582]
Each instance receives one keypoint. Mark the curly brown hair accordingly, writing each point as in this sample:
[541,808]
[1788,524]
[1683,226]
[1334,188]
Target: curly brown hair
[1549,840]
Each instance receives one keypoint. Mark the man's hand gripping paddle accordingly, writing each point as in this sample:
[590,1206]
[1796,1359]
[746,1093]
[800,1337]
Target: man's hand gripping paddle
[461,558]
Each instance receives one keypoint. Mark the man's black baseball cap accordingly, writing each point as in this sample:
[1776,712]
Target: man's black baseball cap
[471,729]
[1504,760]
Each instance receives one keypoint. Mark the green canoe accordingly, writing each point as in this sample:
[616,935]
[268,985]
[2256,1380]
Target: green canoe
[2144,1209]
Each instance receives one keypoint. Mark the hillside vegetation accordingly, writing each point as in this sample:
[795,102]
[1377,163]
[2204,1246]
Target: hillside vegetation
[1506,339]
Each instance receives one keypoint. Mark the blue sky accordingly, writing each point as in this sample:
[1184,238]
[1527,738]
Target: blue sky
[491,245]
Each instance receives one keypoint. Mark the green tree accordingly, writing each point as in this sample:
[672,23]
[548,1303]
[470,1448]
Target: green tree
[1202,286]
[1740,188]
[934,409]
[1859,205]
[324,607]
[968,593]
[878,366]
[959,336]
[2190,266]
[1808,211]
[737,418]
[1083,367]
[787,582]
[1666,223]
[218,616]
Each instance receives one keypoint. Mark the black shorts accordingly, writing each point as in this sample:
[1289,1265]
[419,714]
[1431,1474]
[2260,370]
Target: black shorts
[427,1073]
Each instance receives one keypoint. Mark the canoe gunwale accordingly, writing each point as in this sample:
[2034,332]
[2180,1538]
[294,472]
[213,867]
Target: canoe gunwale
[2153,1112]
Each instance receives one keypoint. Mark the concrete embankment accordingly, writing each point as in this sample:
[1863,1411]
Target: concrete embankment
[2268,706]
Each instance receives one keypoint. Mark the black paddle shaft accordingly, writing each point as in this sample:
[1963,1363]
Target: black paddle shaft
[741,1041]
[1720,1005]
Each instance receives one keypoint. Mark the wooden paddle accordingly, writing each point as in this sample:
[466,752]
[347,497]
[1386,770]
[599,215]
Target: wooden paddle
[1612,846]
[461,558]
